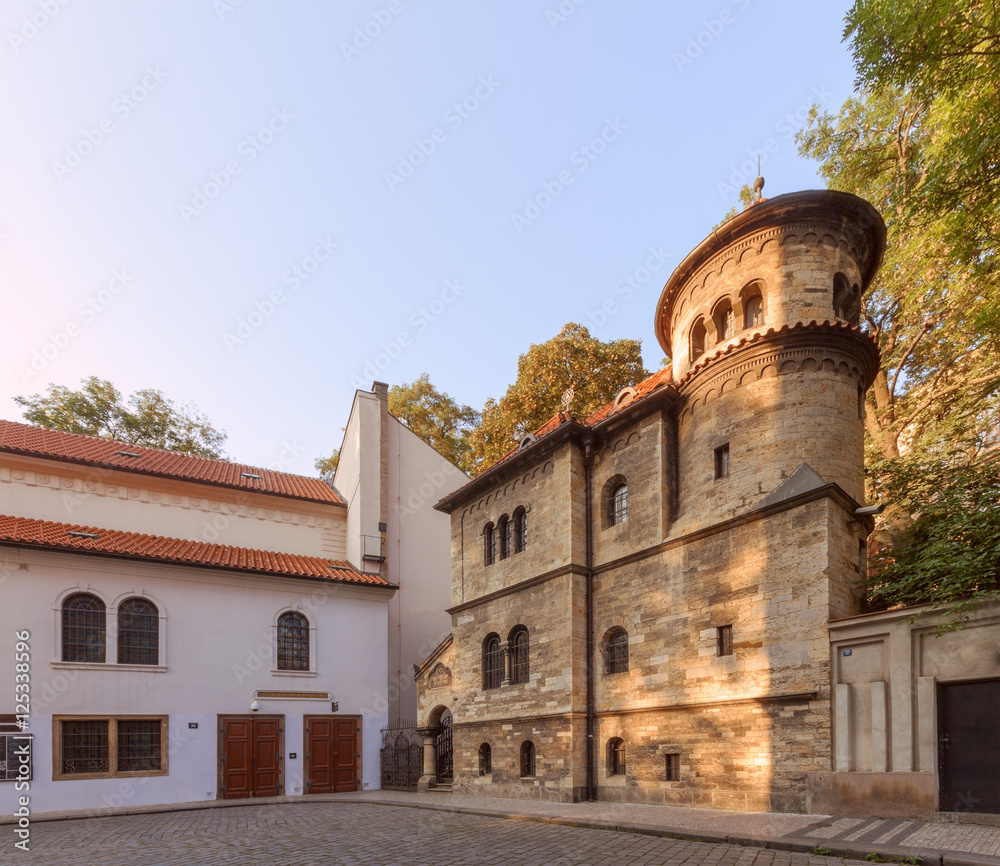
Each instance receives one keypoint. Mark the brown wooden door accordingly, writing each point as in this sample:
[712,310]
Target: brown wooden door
[319,756]
[251,757]
[345,755]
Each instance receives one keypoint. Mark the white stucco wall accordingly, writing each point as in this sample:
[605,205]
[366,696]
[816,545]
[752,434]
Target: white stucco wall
[358,476]
[111,499]
[216,651]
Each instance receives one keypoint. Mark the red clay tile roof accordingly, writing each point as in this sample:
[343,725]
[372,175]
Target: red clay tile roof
[156,548]
[27,439]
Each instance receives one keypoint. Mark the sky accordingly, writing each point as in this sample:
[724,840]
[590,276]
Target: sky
[258,207]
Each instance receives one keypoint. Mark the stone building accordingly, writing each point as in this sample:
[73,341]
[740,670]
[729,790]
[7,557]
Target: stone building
[657,579]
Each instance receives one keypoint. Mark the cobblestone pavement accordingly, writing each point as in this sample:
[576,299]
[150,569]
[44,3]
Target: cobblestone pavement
[347,833]
[875,832]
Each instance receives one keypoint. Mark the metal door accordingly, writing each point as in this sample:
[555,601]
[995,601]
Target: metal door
[969,746]
[444,750]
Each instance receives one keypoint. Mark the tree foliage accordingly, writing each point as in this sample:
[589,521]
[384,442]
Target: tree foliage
[920,141]
[595,370]
[147,417]
[950,550]
[327,466]
[436,418]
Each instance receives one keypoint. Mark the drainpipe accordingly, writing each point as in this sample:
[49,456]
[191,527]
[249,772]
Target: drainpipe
[589,604]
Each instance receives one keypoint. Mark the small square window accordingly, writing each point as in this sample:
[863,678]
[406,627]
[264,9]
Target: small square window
[722,461]
[673,768]
[724,640]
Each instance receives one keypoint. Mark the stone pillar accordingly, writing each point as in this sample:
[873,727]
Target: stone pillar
[508,670]
[429,777]
[880,728]
[842,728]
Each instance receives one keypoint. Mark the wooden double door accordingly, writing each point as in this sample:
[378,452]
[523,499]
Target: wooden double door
[250,756]
[333,754]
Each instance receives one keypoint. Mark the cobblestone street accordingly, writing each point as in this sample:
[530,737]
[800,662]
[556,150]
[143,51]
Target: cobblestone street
[319,833]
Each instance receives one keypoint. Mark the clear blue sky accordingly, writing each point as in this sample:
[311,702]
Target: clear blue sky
[424,186]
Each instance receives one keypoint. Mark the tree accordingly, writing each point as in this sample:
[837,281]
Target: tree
[327,466]
[595,370]
[146,418]
[436,418]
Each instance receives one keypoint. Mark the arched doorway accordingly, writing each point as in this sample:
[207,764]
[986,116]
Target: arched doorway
[443,748]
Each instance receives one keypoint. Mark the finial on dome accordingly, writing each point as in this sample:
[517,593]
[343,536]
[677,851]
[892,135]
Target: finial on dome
[758,185]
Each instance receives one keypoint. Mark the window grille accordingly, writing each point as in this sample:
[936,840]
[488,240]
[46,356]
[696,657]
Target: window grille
[673,773]
[138,632]
[505,537]
[492,663]
[618,505]
[616,757]
[490,540]
[85,747]
[520,530]
[724,640]
[138,745]
[84,628]
[616,652]
[519,657]
[485,759]
[13,757]
[722,461]
[527,758]
[293,642]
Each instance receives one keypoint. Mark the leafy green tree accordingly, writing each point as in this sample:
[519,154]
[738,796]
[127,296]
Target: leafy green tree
[436,418]
[147,417]
[327,466]
[595,370]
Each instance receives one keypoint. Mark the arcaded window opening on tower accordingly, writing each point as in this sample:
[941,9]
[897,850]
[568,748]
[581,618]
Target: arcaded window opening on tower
[504,530]
[489,544]
[492,662]
[722,316]
[846,300]
[698,340]
[753,305]
[520,530]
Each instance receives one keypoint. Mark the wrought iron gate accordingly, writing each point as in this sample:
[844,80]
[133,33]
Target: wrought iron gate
[401,757]
[444,771]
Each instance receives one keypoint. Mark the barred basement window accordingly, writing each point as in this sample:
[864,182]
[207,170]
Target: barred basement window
[293,642]
[84,628]
[520,530]
[616,651]
[88,747]
[616,757]
[138,632]
[673,768]
[527,758]
[519,656]
[492,662]
[724,640]
[485,759]
[722,461]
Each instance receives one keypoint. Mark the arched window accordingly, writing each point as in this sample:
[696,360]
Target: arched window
[490,544]
[616,651]
[492,662]
[618,504]
[504,530]
[722,316]
[519,670]
[293,642]
[138,632]
[616,756]
[84,628]
[485,759]
[527,758]
[846,300]
[697,340]
[520,530]
[753,306]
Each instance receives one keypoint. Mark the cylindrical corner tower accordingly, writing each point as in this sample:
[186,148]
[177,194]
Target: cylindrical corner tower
[761,321]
